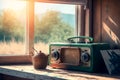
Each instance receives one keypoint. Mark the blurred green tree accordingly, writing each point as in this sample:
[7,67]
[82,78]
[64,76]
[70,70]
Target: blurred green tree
[48,28]
[51,28]
[12,27]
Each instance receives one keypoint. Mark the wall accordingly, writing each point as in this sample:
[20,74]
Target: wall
[106,22]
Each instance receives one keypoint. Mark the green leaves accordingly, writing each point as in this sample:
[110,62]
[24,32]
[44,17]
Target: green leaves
[12,26]
[49,27]
[52,28]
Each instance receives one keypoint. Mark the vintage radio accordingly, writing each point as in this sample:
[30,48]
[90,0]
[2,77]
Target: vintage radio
[77,56]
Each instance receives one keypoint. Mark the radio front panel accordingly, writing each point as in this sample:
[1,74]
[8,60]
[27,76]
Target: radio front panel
[68,55]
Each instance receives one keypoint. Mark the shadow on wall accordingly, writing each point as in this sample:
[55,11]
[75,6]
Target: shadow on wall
[111,23]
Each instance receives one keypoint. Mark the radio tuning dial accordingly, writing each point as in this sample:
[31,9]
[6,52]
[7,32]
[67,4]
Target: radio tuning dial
[55,55]
[85,57]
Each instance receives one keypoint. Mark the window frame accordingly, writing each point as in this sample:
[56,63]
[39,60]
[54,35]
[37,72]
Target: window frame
[80,29]
[29,36]
[77,2]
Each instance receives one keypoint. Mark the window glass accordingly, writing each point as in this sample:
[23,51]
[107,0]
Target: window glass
[12,27]
[53,23]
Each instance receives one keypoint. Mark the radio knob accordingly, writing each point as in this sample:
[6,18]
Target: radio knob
[55,55]
[85,57]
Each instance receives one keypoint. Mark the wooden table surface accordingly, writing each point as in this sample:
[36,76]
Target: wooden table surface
[27,71]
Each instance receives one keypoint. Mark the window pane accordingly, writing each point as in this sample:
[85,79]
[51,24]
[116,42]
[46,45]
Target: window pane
[12,27]
[53,23]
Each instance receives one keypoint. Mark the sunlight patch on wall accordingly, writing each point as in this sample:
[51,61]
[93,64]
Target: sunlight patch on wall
[111,34]
[112,21]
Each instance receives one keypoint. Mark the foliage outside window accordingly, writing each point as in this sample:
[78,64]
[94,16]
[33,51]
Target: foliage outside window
[12,27]
[53,23]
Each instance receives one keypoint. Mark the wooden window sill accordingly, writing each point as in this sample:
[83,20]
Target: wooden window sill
[27,71]
[16,59]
